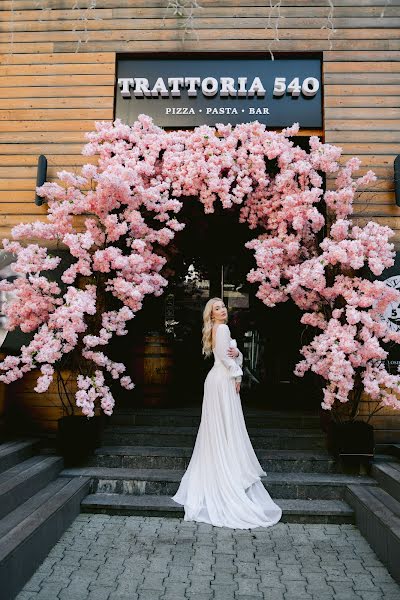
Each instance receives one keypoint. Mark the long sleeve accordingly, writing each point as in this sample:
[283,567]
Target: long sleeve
[222,344]
[239,359]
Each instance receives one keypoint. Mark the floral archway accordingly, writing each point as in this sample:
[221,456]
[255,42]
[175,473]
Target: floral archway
[309,251]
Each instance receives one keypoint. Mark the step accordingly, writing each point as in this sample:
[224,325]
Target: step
[377,516]
[388,476]
[30,531]
[164,457]
[393,449]
[191,418]
[327,486]
[15,451]
[20,482]
[293,511]
[386,436]
[277,438]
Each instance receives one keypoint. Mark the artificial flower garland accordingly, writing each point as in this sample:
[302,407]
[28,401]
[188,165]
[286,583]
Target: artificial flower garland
[133,196]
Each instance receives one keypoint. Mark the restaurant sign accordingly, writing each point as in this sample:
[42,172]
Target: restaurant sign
[391,316]
[195,91]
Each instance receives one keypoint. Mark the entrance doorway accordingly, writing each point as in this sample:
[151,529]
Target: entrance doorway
[206,259]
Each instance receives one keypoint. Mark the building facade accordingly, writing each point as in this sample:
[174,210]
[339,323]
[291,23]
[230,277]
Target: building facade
[58,76]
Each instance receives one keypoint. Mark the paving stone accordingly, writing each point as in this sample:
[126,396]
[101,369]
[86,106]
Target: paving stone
[273,594]
[149,595]
[122,596]
[356,566]
[49,591]
[363,582]
[218,589]
[222,577]
[250,587]
[320,590]
[26,596]
[292,573]
[367,595]
[153,582]
[68,594]
[100,593]
[349,596]
[58,579]
[145,558]
[200,583]
[390,588]
[127,587]
[176,588]
[240,596]
[297,596]
[246,568]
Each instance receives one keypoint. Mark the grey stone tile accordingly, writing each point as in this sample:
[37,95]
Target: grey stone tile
[144,558]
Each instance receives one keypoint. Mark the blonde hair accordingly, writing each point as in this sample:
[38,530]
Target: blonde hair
[208,326]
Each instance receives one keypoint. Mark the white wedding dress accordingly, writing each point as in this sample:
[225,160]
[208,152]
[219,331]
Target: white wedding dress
[222,484]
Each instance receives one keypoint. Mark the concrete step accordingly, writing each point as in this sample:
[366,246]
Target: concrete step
[276,438]
[383,437]
[190,417]
[293,510]
[388,476]
[164,457]
[393,449]
[21,481]
[377,516]
[29,532]
[326,486]
[15,451]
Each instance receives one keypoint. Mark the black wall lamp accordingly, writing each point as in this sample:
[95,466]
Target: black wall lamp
[41,177]
[397,179]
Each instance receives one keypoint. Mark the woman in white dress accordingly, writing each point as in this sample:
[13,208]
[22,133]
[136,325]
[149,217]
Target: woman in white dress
[222,484]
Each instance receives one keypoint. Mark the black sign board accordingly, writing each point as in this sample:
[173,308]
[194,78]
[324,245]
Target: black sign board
[391,277]
[187,92]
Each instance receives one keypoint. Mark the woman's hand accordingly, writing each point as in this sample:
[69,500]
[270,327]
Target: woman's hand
[237,386]
[233,352]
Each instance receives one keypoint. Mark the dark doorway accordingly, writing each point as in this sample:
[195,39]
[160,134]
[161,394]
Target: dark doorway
[206,259]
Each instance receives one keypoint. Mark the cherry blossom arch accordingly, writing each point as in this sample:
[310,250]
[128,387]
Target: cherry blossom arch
[310,251]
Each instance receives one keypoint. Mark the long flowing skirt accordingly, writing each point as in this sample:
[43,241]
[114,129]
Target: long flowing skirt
[222,484]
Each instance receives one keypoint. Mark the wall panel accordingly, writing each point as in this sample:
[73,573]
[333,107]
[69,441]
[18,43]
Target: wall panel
[55,82]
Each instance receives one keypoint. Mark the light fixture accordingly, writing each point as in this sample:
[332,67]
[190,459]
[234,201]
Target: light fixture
[41,177]
[397,179]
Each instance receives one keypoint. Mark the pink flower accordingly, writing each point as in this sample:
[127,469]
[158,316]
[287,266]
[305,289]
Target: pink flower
[134,195]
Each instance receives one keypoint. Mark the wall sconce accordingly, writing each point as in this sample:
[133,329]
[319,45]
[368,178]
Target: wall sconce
[41,177]
[397,179]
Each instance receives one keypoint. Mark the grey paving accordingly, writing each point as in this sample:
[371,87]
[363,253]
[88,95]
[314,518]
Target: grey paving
[116,557]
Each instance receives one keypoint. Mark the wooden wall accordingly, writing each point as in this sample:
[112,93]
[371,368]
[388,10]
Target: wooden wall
[54,81]
[57,69]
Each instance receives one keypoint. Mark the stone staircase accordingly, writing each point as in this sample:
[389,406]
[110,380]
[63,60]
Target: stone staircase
[36,507]
[377,511]
[141,462]
[146,451]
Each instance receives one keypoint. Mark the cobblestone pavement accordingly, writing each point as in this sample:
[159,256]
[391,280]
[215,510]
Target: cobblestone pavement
[106,557]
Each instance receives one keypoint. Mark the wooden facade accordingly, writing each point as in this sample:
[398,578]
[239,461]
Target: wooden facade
[57,76]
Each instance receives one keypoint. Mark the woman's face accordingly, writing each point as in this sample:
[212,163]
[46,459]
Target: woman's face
[219,311]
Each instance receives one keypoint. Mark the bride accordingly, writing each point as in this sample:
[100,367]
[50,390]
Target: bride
[222,484]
